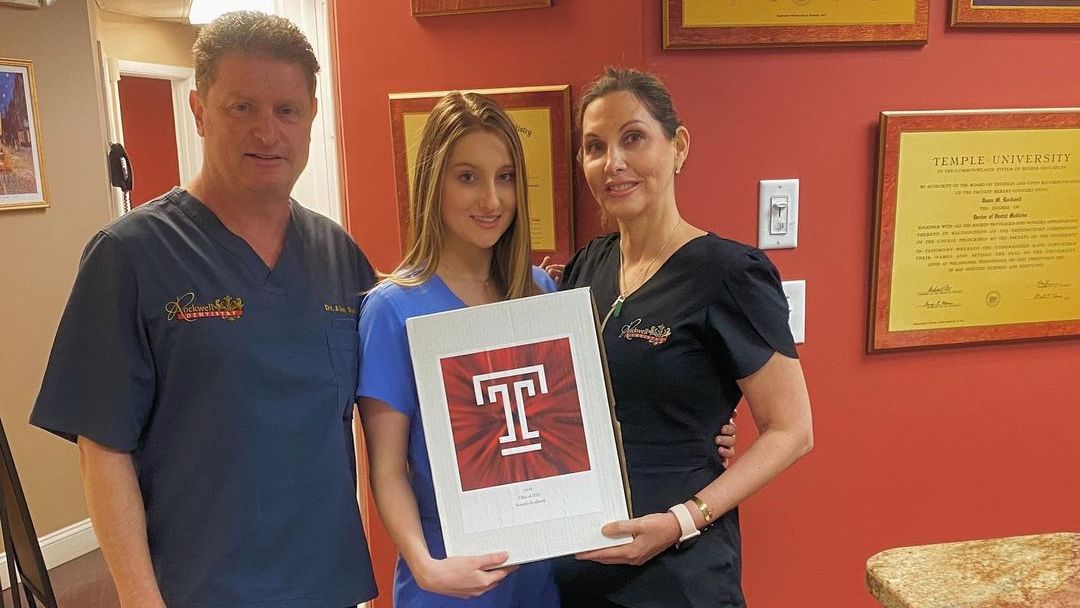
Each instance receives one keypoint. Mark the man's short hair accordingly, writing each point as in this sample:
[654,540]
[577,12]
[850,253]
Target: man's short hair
[251,33]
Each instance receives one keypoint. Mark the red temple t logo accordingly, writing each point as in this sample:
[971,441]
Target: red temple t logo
[519,381]
[515,414]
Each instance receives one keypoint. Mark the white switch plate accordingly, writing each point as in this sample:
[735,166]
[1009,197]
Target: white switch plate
[782,190]
[796,298]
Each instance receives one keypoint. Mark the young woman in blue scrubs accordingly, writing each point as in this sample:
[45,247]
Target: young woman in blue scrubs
[469,230]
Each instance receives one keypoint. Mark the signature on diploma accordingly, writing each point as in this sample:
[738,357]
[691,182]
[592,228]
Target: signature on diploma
[1046,289]
[940,290]
[939,303]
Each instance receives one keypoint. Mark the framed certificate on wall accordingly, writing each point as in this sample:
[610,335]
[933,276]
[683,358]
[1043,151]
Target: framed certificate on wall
[427,8]
[542,117]
[977,228]
[739,23]
[1004,13]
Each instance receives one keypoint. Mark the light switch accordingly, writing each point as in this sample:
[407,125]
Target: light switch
[796,297]
[778,213]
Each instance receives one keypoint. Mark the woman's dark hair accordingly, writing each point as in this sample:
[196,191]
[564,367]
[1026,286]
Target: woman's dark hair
[647,88]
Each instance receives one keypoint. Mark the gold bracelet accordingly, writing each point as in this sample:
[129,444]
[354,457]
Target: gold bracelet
[702,506]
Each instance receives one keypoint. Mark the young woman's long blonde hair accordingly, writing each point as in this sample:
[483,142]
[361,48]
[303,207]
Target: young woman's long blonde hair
[456,115]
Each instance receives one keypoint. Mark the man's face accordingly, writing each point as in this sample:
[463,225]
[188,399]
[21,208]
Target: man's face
[255,120]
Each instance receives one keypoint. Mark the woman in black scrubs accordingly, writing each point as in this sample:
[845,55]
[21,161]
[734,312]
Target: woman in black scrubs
[693,323]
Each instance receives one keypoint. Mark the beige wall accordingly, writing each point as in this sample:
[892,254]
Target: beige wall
[40,248]
[145,40]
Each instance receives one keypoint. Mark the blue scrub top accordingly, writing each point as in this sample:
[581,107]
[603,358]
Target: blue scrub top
[386,374]
[232,385]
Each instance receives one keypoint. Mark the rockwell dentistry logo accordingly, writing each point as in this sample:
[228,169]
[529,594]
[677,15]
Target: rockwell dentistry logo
[515,414]
[184,308]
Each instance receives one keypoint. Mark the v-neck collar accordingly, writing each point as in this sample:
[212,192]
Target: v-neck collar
[616,254]
[441,284]
[199,213]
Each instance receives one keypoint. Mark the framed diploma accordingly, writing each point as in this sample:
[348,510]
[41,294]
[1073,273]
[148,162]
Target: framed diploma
[1015,12]
[738,23]
[542,116]
[520,427]
[426,8]
[977,228]
[22,161]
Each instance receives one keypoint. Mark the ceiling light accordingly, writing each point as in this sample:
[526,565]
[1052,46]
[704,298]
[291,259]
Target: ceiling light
[205,11]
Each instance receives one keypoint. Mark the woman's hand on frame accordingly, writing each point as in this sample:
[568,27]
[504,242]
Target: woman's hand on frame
[652,534]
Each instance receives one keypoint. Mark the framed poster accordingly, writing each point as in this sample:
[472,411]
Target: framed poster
[22,161]
[977,228]
[426,8]
[520,427]
[1016,12]
[542,115]
[739,23]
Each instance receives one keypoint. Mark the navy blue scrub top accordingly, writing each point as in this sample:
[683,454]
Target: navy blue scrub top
[232,385]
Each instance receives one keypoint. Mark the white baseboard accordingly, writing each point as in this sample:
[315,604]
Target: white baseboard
[59,547]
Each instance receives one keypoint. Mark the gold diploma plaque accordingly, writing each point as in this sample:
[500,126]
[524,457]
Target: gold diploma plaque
[977,228]
[1009,13]
[427,8]
[542,118]
[736,23]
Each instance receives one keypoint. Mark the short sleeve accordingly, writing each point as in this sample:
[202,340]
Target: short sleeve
[543,280]
[386,370]
[100,380]
[582,264]
[749,319]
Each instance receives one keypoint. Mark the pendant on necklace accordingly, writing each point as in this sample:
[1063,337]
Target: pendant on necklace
[616,308]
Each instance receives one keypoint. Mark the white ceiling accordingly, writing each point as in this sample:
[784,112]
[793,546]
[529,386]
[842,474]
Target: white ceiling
[169,10]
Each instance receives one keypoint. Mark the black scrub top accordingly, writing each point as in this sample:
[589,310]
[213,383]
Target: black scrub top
[713,313]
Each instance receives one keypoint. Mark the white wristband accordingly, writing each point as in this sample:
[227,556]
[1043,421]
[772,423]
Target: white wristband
[687,529]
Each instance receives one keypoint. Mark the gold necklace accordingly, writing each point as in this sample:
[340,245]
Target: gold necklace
[616,306]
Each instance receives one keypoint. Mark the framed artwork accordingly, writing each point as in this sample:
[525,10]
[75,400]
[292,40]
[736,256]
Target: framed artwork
[741,23]
[1015,12]
[542,115]
[22,161]
[427,8]
[524,446]
[977,228]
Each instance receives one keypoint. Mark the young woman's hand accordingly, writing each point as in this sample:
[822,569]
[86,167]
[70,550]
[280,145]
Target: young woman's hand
[554,270]
[463,577]
[725,440]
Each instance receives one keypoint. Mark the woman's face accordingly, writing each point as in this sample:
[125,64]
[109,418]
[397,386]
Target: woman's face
[629,161]
[479,193]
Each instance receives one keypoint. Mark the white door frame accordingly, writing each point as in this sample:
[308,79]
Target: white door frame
[182,80]
[319,186]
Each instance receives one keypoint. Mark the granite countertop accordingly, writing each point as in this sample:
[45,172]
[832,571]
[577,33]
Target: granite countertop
[1041,571]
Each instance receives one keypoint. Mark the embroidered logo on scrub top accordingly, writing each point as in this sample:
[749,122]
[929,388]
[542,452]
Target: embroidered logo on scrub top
[340,308]
[655,335]
[184,308]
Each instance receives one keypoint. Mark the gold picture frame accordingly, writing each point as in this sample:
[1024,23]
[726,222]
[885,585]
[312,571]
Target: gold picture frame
[695,24]
[430,8]
[542,115]
[22,159]
[976,228]
[1009,13]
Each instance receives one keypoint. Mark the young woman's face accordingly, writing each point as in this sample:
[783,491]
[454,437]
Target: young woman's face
[479,192]
[628,159]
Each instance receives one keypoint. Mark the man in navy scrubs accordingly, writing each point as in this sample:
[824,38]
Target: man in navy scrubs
[206,360]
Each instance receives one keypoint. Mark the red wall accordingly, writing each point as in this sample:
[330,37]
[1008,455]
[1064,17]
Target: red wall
[910,448]
[149,136]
